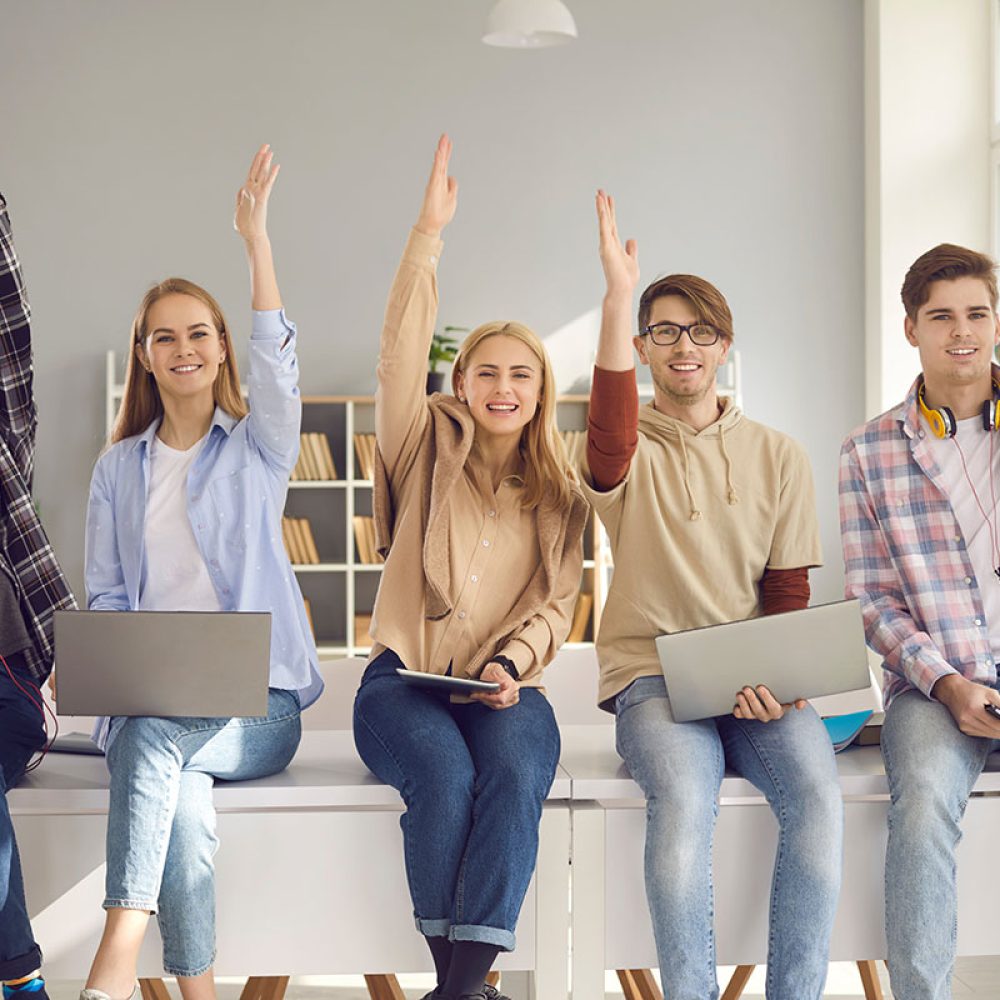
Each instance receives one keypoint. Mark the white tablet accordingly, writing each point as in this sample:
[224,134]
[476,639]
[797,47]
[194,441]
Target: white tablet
[445,682]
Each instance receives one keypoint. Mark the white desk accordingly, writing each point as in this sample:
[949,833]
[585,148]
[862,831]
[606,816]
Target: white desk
[611,926]
[310,876]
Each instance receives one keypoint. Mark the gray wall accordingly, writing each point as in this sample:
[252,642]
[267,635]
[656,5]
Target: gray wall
[729,131]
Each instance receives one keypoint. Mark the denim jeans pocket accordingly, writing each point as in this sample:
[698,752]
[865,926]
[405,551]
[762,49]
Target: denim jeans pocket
[640,690]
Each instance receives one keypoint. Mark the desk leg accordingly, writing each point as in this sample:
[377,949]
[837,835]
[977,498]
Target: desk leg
[552,920]
[738,982]
[265,988]
[869,980]
[588,823]
[639,984]
[383,987]
[153,989]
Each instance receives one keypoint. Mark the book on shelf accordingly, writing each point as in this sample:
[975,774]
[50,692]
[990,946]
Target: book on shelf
[364,448]
[361,549]
[315,461]
[327,463]
[310,543]
[299,542]
[305,464]
[581,617]
[309,615]
[309,446]
[364,540]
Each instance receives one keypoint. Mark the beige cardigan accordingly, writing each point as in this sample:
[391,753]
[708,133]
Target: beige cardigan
[443,451]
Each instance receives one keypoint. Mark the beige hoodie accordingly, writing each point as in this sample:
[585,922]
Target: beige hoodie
[694,524]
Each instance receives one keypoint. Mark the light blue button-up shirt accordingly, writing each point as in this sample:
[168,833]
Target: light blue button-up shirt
[235,498]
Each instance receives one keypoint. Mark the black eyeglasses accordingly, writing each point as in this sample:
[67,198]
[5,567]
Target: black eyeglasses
[667,334]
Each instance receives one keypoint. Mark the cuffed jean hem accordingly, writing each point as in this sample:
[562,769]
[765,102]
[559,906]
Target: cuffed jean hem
[484,935]
[129,904]
[21,965]
[432,928]
[173,970]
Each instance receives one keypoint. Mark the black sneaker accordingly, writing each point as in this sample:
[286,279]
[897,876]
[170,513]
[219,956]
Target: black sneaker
[492,993]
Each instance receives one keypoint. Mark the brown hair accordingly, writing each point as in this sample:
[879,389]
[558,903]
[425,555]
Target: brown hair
[141,403]
[946,262]
[709,304]
[547,472]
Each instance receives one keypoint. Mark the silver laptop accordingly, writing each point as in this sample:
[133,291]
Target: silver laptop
[166,663]
[799,654]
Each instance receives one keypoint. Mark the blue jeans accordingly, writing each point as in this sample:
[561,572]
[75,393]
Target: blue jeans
[473,781]
[161,824]
[21,734]
[931,765]
[680,767]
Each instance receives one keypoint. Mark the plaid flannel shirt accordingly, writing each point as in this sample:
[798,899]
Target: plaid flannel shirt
[905,557]
[26,556]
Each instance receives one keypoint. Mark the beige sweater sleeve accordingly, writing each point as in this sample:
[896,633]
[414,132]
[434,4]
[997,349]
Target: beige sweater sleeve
[410,315]
[534,647]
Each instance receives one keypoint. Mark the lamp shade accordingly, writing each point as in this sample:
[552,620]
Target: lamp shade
[527,24]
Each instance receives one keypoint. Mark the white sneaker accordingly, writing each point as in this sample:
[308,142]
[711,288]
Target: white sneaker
[101,995]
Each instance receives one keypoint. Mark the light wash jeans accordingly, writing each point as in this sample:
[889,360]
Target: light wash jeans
[161,824]
[931,765]
[680,766]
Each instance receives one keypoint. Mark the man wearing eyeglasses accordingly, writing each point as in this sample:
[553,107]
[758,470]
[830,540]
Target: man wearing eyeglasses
[711,518]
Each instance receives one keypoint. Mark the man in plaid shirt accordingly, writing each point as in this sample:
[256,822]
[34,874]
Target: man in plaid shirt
[32,586]
[919,524]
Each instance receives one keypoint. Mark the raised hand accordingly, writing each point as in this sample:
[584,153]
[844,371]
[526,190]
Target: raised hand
[441,195]
[250,220]
[620,263]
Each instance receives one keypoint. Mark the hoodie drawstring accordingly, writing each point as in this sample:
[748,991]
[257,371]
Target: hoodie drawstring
[733,495]
[695,513]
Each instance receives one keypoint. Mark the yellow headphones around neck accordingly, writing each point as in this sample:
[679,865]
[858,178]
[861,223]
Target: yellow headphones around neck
[943,423]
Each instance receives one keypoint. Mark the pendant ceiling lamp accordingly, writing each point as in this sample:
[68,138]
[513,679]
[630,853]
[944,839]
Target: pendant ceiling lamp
[529,24]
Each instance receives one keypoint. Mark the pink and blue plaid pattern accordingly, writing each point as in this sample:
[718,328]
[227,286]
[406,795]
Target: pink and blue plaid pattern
[905,557]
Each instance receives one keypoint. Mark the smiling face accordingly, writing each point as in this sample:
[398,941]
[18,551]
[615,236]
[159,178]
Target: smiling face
[955,332]
[501,382]
[683,373]
[183,349]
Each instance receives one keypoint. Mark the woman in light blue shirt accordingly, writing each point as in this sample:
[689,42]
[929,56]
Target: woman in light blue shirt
[184,514]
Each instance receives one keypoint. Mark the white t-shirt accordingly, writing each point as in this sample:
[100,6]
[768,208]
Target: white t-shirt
[975,445]
[176,577]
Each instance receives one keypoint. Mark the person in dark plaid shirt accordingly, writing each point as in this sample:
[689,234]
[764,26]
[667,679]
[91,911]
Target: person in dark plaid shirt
[32,586]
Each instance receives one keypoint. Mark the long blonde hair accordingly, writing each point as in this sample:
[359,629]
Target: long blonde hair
[547,471]
[141,402]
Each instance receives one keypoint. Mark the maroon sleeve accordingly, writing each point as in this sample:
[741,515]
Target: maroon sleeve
[784,590]
[612,426]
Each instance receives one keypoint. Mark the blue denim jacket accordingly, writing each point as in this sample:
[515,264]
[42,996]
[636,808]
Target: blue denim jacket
[236,494]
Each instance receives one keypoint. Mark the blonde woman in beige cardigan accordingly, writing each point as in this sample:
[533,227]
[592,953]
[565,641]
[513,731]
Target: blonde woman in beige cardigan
[482,524]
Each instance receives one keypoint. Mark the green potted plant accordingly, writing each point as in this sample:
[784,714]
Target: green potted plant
[443,349]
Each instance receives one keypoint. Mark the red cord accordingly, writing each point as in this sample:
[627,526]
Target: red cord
[34,695]
[991,527]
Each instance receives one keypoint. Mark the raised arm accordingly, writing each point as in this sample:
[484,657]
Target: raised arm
[275,404]
[410,315]
[17,404]
[613,422]
[250,222]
